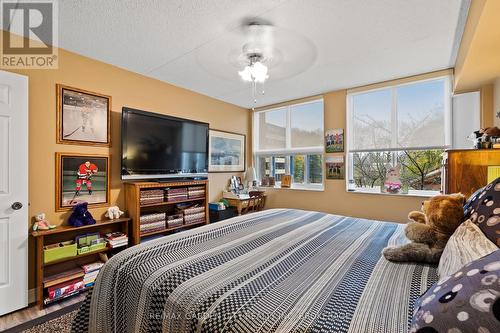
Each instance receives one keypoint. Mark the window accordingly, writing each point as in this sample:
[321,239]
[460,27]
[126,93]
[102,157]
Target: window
[289,140]
[406,127]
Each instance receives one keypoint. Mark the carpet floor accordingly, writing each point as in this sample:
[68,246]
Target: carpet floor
[59,321]
[60,324]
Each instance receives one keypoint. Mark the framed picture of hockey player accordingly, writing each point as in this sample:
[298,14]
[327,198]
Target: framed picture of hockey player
[83,117]
[81,178]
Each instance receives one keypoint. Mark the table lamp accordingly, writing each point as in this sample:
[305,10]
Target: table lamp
[251,177]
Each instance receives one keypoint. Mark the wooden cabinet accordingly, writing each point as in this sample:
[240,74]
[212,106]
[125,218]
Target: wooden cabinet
[136,209]
[466,171]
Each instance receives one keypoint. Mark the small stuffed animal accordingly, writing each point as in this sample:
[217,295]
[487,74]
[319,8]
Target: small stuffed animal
[429,230]
[392,183]
[490,131]
[113,212]
[80,216]
[41,223]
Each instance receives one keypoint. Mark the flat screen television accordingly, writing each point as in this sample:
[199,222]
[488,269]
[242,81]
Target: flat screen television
[156,146]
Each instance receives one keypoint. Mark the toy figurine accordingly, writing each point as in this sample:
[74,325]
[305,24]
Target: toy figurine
[41,223]
[81,216]
[429,229]
[392,183]
[113,212]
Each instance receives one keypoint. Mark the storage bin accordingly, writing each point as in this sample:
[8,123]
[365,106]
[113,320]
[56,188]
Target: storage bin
[174,220]
[91,248]
[151,218]
[193,210]
[153,226]
[148,197]
[59,251]
[194,218]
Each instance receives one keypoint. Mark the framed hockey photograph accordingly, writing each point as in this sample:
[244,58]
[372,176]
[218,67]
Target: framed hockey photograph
[83,117]
[81,178]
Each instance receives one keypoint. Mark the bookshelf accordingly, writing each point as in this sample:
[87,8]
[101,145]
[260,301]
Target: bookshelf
[66,269]
[135,209]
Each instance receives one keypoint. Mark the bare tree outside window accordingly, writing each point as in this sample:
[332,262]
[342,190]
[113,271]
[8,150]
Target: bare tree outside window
[421,169]
[403,124]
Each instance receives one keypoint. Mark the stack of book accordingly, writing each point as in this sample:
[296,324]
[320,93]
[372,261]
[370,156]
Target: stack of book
[176,194]
[196,192]
[64,289]
[117,239]
[151,197]
[152,222]
[91,270]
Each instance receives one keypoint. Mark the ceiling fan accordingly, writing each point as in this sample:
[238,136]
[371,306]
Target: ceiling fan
[257,54]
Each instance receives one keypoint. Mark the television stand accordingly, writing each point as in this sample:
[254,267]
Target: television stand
[175,211]
[176,179]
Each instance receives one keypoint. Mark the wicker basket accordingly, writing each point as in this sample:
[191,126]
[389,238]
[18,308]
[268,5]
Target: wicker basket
[193,210]
[175,220]
[194,218]
[150,218]
[148,197]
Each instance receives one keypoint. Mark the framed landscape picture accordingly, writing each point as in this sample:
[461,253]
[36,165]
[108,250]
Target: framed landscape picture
[334,140]
[226,152]
[83,117]
[335,167]
[81,178]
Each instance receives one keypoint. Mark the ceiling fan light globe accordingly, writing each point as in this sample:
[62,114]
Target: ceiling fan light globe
[246,74]
[259,72]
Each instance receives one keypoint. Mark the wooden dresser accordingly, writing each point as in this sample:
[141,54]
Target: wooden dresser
[466,171]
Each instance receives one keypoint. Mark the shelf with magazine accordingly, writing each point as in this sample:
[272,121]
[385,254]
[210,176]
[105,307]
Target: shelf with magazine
[68,258]
[159,209]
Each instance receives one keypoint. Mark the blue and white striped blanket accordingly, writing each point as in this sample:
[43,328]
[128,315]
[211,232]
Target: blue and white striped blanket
[278,270]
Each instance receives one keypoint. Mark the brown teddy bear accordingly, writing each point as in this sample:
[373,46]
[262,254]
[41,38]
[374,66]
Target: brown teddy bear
[429,230]
[490,131]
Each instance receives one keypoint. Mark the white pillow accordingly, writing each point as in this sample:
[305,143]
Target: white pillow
[467,244]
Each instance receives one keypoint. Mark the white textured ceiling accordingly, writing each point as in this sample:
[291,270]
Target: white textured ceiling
[324,45]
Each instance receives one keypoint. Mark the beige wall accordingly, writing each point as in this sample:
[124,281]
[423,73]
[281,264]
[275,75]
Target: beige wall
[477,67]
[126,89]
[487,105]
[496,103]
[477,61]
[334,199]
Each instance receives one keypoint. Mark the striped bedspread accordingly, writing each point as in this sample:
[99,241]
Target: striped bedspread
[278,270]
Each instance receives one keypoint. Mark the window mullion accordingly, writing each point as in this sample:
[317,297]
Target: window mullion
[288,130]
[256,131]
[448,113]
[307,179]
[394,118]
[288,162]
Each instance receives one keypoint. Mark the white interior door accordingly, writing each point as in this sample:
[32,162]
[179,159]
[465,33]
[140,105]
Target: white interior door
[13,192]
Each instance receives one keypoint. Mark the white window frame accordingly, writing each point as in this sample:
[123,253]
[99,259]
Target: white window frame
[349,133]
[289,150]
